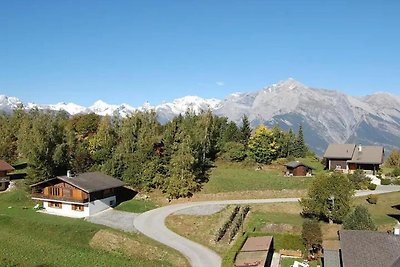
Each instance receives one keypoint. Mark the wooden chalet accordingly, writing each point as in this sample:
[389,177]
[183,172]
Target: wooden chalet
[349,157]
[297,168]
[256,252]
[5,168]
[77,196]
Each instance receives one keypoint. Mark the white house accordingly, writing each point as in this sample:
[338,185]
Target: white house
[77,196]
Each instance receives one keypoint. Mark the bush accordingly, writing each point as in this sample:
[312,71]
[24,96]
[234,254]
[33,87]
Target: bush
[386,181]
[372,199]
[396,172]
[359,219]
[372,186]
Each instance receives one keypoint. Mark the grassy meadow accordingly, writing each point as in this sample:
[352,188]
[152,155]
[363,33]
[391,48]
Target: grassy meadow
[28,238]
[230,177]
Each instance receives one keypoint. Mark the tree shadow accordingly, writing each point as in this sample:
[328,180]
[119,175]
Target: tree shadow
[125,194]
[395,216]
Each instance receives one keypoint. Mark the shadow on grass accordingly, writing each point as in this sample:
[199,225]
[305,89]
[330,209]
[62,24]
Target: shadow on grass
[125,194]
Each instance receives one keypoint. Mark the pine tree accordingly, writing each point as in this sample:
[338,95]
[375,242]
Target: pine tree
[182,179]
[300,148]
[245,130]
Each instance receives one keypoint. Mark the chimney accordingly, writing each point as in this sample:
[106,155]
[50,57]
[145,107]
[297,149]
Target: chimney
[69,174]
[359,148]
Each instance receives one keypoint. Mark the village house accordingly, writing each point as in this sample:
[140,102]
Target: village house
[359,248]
[77,196]
[5,168]
[349,157]
[297,168]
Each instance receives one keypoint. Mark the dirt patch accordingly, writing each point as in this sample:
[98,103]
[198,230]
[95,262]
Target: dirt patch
[290,208]
[330,231]
[158,198]
[281,228]
[119,243]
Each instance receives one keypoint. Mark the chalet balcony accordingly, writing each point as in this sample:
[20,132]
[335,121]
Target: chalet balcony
[4,179]
[59,198]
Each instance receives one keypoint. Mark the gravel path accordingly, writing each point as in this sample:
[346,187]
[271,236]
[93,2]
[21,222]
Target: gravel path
[121,220]
[152,224]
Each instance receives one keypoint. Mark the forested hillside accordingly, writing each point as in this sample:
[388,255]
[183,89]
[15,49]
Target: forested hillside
[146,155]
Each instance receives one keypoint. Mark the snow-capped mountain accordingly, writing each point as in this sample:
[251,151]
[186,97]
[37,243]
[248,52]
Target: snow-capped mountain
[327,116]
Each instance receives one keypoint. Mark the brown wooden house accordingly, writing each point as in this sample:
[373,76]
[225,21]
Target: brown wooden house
[349,157]
[5,168]
[77,196]
[297,168]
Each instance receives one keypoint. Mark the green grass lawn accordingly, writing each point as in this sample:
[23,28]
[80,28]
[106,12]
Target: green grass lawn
[136,205]
[287,262]
[28,238]
[380,212]
[231,177]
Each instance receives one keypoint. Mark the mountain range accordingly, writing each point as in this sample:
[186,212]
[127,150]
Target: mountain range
[327,116]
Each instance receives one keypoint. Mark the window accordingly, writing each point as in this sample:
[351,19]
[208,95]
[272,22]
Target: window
[55,205]
[55,191]
[77,207]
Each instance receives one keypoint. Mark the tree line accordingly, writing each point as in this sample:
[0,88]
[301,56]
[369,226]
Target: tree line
[174,157]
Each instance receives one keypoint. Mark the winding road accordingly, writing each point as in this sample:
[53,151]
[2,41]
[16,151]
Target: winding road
[152,224]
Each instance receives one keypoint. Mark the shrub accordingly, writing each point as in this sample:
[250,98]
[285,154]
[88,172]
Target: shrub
[396,172]
[312,236]
[238,222]
[385,181]
[359,219]
[372,199]
[372,186]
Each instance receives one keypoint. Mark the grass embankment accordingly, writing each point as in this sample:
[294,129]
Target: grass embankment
[383,212]
[28,238]
[137,205]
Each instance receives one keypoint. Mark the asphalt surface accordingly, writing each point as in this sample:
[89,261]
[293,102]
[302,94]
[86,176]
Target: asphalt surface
[152,224]
[120,220]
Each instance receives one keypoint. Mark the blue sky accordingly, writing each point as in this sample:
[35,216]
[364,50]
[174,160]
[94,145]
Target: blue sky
[137,51]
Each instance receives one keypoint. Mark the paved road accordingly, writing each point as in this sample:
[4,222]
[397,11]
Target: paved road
[121,220]
[152,224]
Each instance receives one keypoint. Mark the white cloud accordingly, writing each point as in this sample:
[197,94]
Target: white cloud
[220,83]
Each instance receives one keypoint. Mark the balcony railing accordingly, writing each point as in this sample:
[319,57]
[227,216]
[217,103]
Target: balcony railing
[60,198]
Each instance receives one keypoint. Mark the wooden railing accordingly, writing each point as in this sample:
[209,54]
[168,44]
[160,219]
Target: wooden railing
[60,198]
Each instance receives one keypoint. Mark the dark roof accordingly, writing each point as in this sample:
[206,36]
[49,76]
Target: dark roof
[339,151]
[260,243]
[368,155]
[4,166]
[369,248]
[331,258]
[351,152]
[89,181]
[296,163]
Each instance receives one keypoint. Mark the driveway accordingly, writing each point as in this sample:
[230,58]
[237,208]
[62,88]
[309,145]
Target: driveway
[120,220]
[152,224]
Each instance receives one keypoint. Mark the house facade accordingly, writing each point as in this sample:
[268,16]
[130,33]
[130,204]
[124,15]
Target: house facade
[349,157]
[77,196]
[297,168]
[5,168]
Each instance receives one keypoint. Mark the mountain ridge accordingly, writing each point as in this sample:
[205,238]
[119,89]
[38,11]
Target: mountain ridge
[327,116]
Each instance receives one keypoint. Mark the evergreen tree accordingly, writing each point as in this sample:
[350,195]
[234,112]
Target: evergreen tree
[300,148]
[182,178]
[359,219]
[245,130]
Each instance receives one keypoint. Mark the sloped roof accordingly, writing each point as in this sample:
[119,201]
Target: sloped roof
[296,163]
[368,154]
[340,151]
[260,243]
[4,166]
[369,248]
[89,181]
